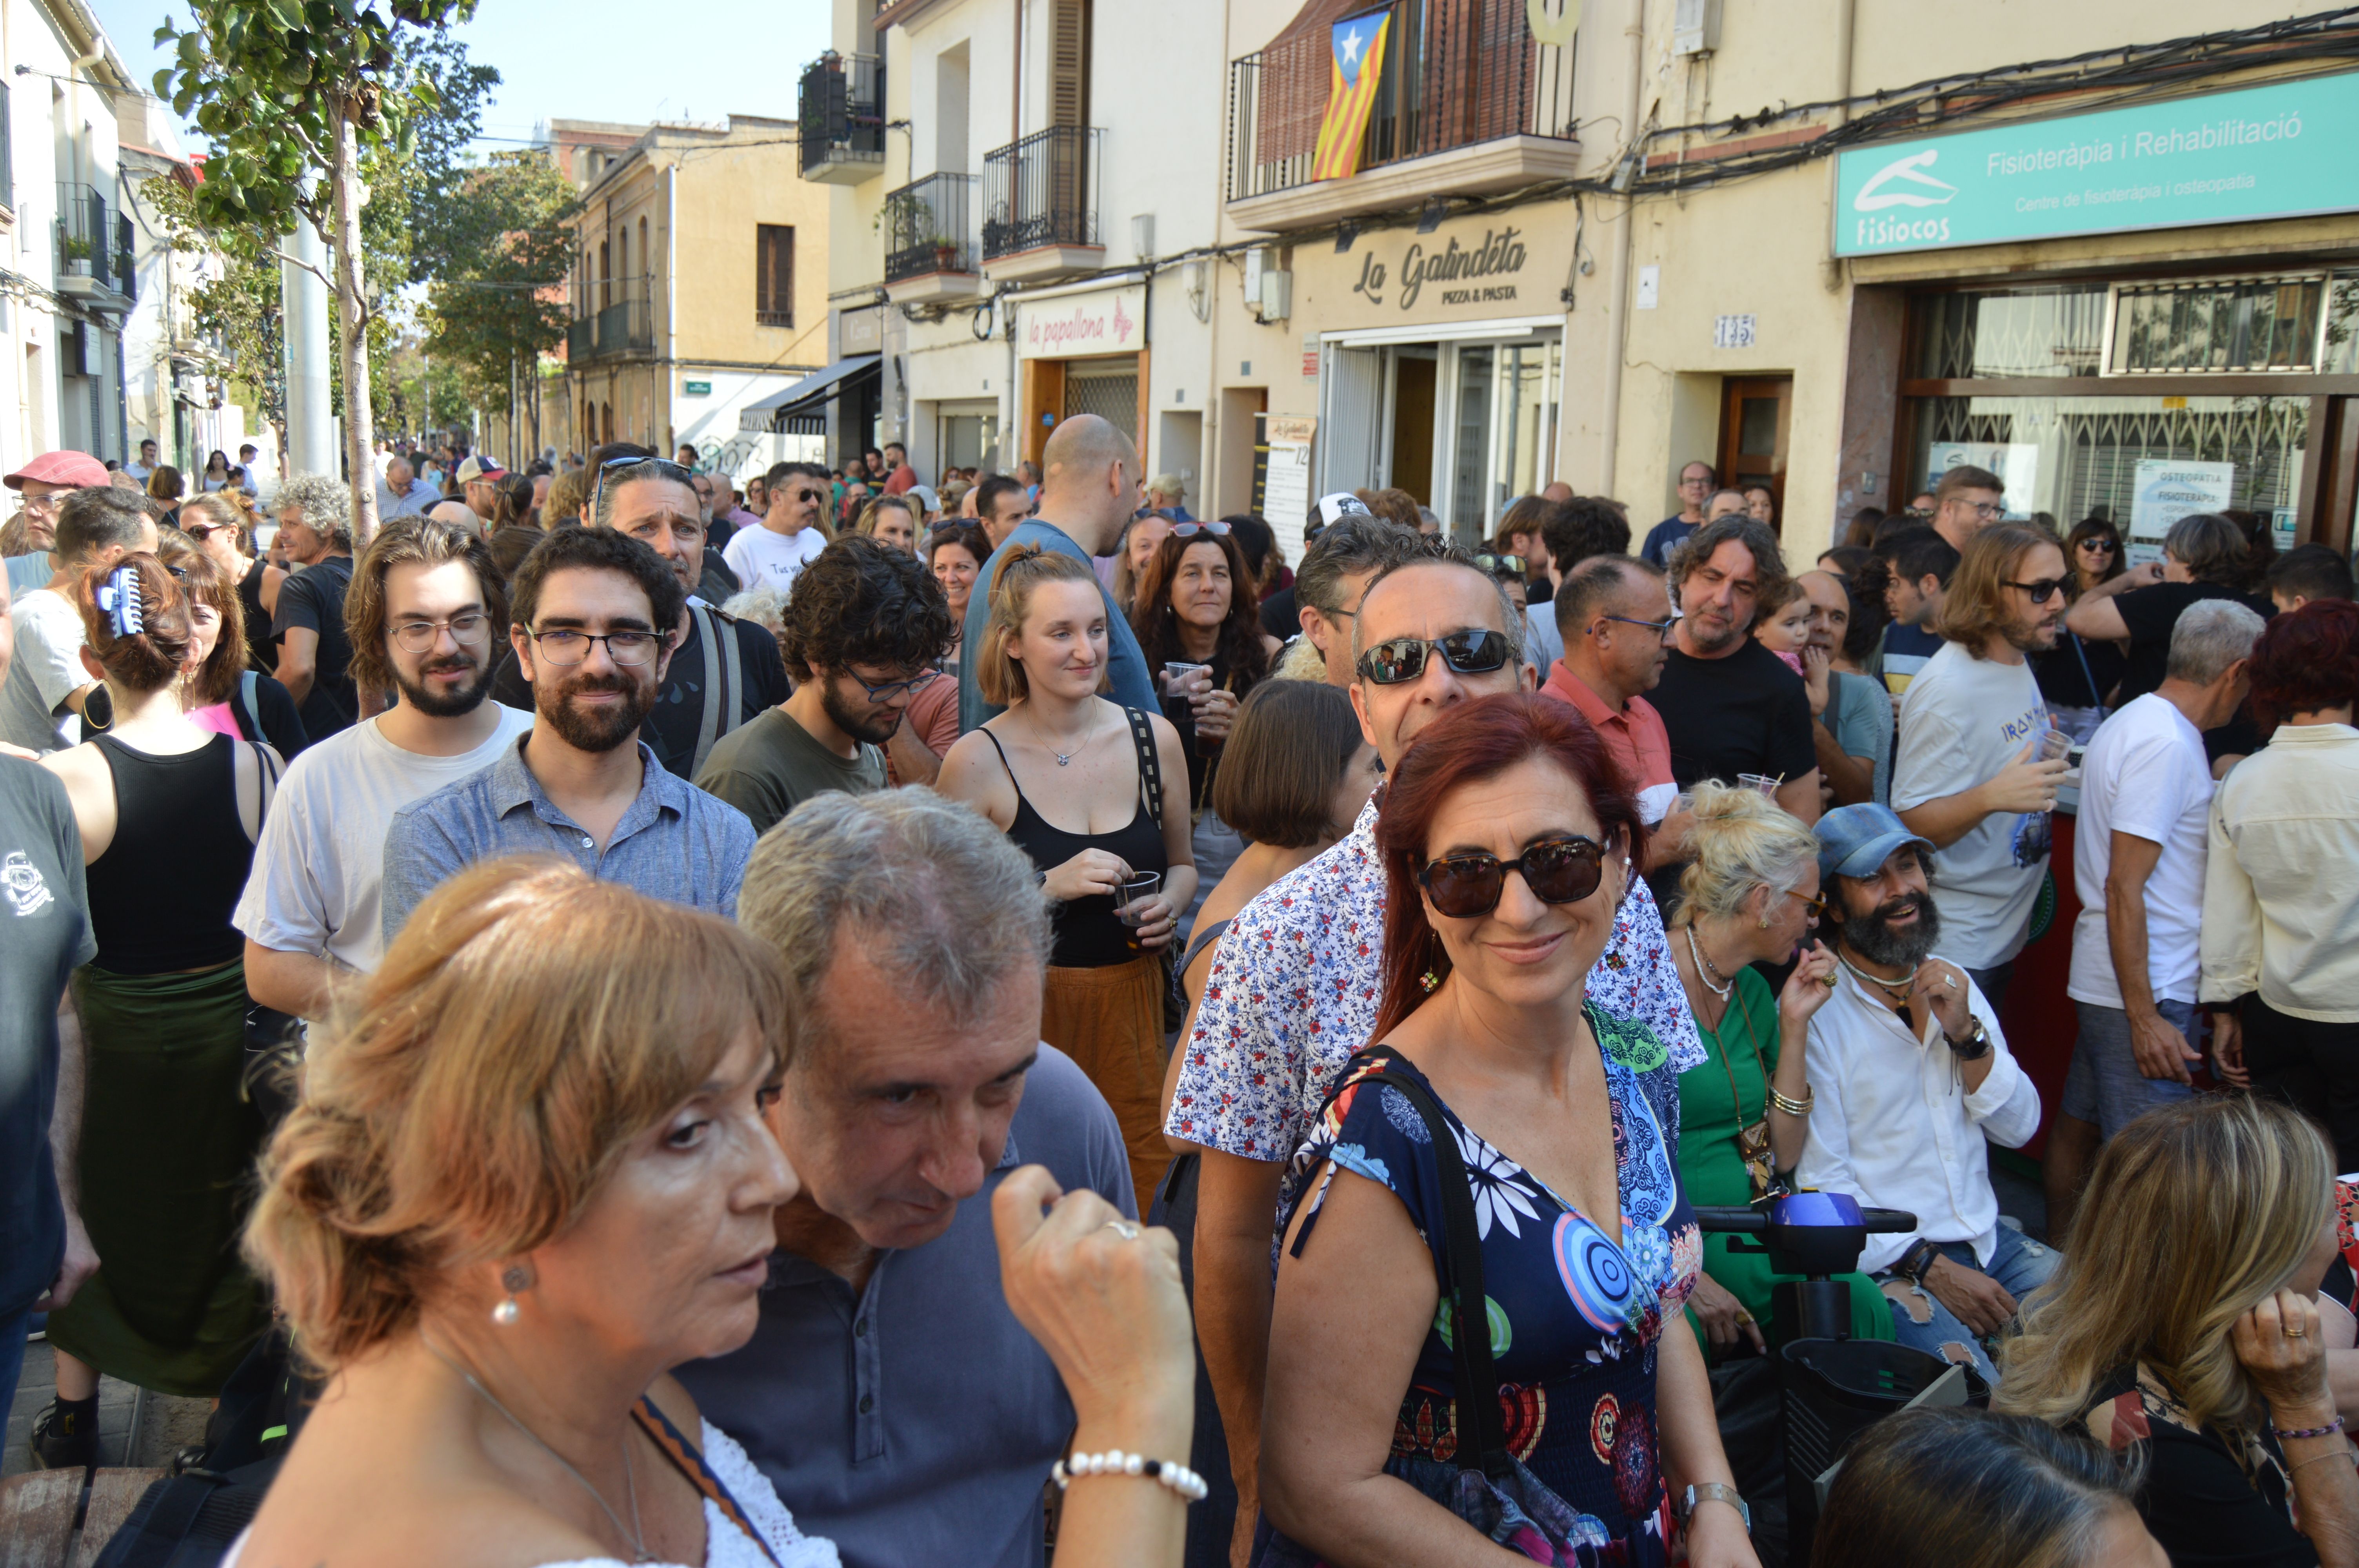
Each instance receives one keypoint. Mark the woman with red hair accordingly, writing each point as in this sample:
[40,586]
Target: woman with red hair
[2281,883]
[1498,1205]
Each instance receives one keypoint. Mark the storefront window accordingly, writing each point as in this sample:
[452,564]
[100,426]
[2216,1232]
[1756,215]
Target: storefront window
[1470,443]
[2008,334]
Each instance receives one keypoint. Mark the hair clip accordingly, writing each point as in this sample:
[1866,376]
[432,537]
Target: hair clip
[118,599]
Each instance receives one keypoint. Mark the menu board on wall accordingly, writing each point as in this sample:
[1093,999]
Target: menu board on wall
[2167,491]
[1282,477]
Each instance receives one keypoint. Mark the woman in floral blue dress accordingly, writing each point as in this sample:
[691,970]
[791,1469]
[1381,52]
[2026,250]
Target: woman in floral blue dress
[1507,840]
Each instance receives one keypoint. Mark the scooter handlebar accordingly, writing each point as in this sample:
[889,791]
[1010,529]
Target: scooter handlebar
[1746,1221]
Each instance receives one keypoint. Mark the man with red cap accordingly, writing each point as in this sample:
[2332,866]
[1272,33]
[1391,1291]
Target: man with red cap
[50,695]
[44,482]
[478,482]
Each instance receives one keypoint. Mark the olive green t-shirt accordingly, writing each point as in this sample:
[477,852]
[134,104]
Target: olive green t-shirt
[771,765]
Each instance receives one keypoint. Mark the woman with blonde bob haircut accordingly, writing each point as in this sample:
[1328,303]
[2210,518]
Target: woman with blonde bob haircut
[531,1172]
[2183,1324]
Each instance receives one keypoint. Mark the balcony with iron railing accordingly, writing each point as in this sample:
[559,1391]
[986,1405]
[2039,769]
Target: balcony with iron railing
[1040,206]
[86,259]
[1470,103]
[929,243]
[842,119]
[581,340]
[126,258]
[622,321]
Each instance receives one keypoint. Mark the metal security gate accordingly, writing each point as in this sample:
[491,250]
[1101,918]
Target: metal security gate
[1109,390]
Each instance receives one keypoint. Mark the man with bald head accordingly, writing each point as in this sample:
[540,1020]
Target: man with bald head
[1088,492]
[403,493]
[1853,733]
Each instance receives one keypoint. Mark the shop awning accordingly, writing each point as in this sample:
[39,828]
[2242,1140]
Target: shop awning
[772,413]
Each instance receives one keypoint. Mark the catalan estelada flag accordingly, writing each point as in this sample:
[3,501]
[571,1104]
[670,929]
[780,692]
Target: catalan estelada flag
[1356,70]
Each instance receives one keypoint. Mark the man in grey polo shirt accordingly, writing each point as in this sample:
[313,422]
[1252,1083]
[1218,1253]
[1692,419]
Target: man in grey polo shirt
[594,614]
[889,1393]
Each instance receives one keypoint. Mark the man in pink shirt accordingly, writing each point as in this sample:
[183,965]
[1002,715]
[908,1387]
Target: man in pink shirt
[897,464]
[1614,613]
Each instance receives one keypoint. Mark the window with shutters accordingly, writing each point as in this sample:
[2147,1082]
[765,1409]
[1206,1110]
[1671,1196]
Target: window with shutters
[773,275]
[1068,62]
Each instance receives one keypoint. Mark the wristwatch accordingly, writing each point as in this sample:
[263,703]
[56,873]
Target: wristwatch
[1916,1260]
[1715,1492]
[1973,1047]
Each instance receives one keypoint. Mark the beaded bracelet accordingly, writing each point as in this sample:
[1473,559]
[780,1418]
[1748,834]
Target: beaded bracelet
[2329,1429]
[1114,1462]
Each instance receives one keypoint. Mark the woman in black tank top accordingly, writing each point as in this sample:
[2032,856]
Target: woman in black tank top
[1077,782]
[168,812]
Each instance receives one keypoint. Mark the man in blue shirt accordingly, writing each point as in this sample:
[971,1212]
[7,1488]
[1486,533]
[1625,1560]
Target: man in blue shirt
[889,1393]
[1695,489]
[1090,491]
[593,612]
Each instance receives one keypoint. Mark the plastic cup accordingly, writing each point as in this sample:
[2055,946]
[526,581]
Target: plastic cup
[1176,671]
[2054,746]
[1761,782]
[1135,895]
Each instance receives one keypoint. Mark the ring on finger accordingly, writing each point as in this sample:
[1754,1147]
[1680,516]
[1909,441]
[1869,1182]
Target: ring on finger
[2295,1331]
[1124,1228]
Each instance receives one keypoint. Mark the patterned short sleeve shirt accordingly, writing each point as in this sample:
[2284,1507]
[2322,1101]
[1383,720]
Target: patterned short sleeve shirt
[1293,992]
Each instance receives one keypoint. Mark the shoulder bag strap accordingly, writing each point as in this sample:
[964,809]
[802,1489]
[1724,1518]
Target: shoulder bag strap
[733,674]
[2096,697]
[709,728]
[1482,1438]
[689,1460]
[249,701]
[1150,771]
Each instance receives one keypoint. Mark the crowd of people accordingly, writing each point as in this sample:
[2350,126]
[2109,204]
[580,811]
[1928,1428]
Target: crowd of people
[860,1020]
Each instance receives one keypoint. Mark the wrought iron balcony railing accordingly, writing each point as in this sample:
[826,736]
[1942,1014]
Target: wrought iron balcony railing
[929,227]
[1041,191]
[843,118]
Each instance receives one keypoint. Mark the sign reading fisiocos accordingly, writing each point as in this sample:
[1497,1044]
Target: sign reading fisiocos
[2278,151]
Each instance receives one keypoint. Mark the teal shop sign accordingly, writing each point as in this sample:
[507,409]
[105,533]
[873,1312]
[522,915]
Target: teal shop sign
[2279,151]
[696,389]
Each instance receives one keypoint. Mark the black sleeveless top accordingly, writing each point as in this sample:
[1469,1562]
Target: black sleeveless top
[1089,936]
[161,896]
[261,653]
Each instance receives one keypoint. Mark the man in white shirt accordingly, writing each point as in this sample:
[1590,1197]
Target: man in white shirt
[50,691]
[793,532]
[1969,779]
[428,612]
[1911,1079]
[145,465]
[2138,862]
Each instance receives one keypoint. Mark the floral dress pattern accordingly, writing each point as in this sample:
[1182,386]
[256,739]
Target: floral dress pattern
[1575,1315]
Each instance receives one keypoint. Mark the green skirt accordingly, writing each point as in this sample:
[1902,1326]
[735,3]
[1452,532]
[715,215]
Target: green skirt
[168,1142]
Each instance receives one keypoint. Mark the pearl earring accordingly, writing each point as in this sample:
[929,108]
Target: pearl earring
[513,1280]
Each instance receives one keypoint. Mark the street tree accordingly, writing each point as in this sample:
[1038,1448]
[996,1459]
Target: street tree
[296,94]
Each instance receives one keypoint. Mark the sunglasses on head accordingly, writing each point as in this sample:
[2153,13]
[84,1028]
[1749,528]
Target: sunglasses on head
[1557,870]
[2039,592]
[1399,659]
[1189,530]
[1513,565]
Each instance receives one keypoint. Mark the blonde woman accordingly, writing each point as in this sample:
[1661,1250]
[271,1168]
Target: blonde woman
[531,1173]
[1751,895]
[2183,1326]
[1093,791]
[893,519]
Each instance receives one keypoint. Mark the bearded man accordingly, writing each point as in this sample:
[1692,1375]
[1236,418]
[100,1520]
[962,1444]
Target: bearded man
[424,612]
[1912,1082]
[596,618]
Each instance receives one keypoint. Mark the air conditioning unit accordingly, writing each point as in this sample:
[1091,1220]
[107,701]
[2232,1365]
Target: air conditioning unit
[1695,27]
[1276,296]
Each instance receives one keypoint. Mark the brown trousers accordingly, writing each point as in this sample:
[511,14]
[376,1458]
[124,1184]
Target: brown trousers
[1110,1021]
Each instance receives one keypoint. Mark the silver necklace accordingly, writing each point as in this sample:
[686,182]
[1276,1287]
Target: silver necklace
[630,1478]
[1704,968]
[1064,759]
[1898,988]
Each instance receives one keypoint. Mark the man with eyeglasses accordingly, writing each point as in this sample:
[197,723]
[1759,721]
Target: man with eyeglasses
[1970,778]
[1296,977]
[591,622]
[861,631]
[723,671]
[43,484]
[1912,1082]
[1612,613]
[1695,489]
[1965,502]
[426,610]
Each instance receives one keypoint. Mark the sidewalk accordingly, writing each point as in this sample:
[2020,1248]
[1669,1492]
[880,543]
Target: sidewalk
[165,1423]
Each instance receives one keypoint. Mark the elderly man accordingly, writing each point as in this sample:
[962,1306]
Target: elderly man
[1295,979]
[44,483]
[1091,493]
[1853,734]
[1167,493]
[1731,707]
[404,494]
[1913,1082]
[722,671]
[308,623]
[49,688]
[1613,614]
[887,1392]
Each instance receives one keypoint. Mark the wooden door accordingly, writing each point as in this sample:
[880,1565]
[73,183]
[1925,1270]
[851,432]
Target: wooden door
[1755,414]
[1412,464]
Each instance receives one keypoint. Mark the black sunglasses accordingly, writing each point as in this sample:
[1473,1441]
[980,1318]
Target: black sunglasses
[1557,870]
[2108,546]
[2039,592]
[1399,659]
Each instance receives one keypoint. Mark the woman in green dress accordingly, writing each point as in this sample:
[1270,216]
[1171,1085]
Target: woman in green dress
[1752,894]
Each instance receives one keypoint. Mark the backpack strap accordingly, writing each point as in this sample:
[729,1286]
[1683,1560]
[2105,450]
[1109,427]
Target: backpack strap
[1150,770]
[732,672]
[267,767]
[710,728]
[689,1460]
[249,702]
[1482,1438]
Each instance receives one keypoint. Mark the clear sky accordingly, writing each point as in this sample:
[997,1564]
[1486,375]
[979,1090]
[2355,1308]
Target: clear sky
[589,60]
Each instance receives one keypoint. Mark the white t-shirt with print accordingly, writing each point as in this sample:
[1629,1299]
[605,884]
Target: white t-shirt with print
[321,864]
[1961,721]
[2145,775]
[764,558]
[47,666]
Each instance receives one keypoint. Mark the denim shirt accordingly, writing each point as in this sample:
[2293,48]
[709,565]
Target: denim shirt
[674,842]
[1126,674]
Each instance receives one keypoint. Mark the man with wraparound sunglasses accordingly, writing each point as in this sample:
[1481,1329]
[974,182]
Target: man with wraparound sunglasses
[590,620]
[1296,979]
[861,631]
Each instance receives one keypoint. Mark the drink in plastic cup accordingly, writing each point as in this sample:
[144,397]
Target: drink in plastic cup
[2054,746]
[1761,782]
[1177,671]
[1135,892]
